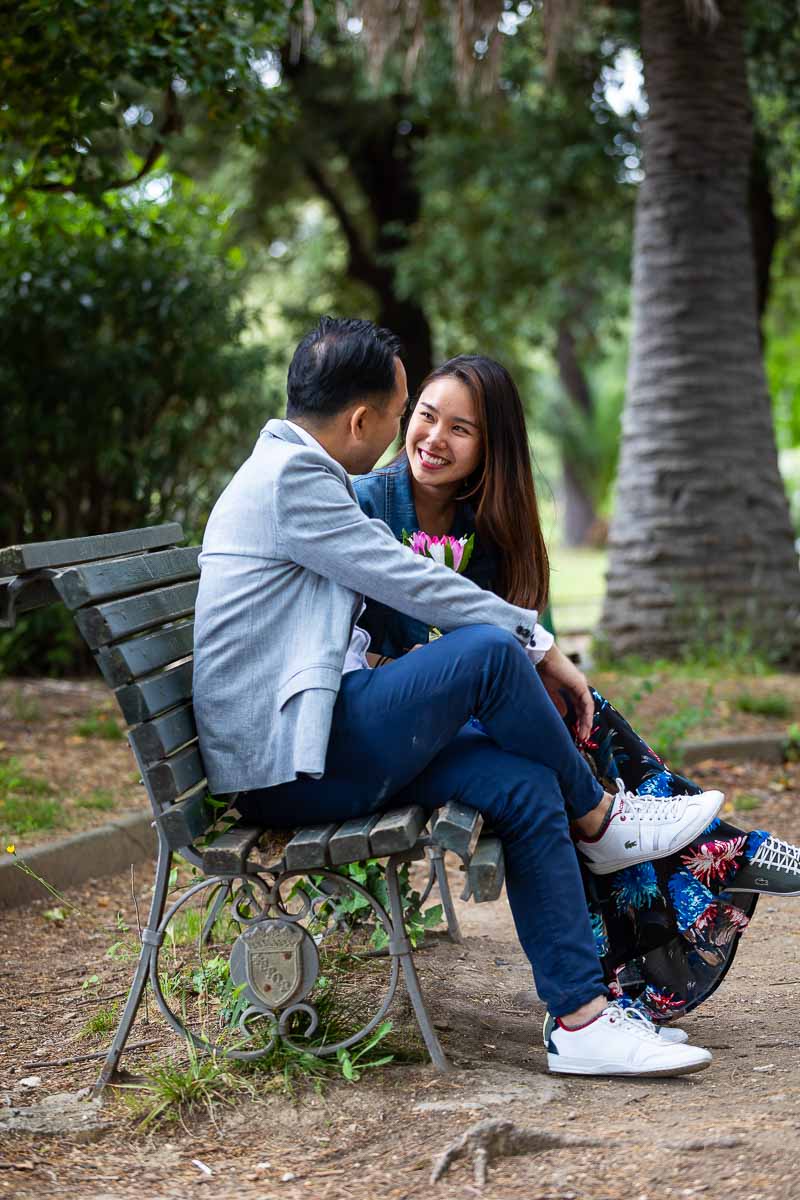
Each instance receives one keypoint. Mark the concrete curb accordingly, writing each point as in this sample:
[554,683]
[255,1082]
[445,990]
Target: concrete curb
[106,850]
[759,747]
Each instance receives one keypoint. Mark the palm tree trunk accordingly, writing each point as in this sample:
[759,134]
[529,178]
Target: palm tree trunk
[701,539]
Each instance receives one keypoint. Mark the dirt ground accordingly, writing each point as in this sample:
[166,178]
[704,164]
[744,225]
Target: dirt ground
[731,1131]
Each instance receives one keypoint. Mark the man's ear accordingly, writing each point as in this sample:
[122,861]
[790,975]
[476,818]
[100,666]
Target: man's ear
[358,421]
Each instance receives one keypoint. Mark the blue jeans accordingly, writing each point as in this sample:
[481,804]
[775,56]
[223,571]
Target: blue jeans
[400,736]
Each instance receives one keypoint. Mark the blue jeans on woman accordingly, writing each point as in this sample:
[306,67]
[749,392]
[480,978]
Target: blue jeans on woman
[400,735]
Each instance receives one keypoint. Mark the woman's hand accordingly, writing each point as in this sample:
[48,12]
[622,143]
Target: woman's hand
[558,674]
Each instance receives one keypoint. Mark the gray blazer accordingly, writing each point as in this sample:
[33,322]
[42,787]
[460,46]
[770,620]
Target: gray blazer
[287,555]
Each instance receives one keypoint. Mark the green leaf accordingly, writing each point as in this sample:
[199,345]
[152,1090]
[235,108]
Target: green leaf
[469,546]
[432,916]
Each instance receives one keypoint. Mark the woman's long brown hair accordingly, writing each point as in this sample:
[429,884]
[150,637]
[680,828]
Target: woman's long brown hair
[501,491]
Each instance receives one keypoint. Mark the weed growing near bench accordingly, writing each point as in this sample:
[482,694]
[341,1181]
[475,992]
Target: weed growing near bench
[372,876]
[102,1021]
[28,870]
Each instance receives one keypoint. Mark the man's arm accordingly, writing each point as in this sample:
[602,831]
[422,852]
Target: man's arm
[320,526]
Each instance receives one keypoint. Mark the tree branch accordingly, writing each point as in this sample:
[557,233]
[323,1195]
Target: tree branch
[362,264]
[172,123]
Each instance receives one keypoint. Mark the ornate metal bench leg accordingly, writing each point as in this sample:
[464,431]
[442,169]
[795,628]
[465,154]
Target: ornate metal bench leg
[402,949]
[150,939]
[222,896]
[437,862]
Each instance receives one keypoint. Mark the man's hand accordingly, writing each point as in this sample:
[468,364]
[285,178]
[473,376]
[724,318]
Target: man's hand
[558,673]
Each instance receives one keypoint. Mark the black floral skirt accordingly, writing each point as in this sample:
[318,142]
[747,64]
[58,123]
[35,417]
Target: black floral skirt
[666,931]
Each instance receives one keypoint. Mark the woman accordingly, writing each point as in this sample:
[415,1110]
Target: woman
[666,931]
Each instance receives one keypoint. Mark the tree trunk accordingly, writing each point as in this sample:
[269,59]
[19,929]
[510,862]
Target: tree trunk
[579,511]
[580,517]
[701,541]
[763,224]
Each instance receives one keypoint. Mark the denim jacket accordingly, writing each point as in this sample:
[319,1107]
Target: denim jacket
[386,494]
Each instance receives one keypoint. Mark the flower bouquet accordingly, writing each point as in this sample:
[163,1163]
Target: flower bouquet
[450,551]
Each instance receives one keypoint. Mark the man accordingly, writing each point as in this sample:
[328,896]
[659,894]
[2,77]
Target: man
[290,715]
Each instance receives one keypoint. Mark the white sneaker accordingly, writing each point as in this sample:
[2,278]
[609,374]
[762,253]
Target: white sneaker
[647,827]
[620,1041]
[670,1034]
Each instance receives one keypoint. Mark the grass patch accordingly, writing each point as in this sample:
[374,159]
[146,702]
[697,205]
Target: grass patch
[102,1021]
[174,1088]
[771,705]
[100,800]
[100,724]
[25,806]
[670,732]
[577,586]
[746,802]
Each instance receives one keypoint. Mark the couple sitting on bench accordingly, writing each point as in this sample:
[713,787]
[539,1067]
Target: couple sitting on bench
[620,877]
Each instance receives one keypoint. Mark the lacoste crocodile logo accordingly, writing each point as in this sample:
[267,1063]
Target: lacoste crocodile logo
[629,845]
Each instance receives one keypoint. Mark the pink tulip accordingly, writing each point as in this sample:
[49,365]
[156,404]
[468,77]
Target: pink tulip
[450,551]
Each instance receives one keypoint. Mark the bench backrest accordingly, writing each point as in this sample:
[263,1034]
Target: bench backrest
[132,595]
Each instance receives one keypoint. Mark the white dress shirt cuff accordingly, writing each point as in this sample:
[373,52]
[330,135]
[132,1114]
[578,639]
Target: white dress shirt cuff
[540,643]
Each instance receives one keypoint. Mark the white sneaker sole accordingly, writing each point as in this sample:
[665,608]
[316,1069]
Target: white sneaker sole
[691,831]
[559,1065]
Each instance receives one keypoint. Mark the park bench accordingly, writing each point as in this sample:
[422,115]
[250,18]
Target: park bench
[132,595]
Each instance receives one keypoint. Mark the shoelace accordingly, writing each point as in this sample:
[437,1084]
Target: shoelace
[780,855]
[630,1013]
[650,808]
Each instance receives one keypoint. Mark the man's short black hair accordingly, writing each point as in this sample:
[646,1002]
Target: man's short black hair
[341,361]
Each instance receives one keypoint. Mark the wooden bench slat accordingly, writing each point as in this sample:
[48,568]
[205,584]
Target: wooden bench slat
[126,576]
[106,623]
[396,830]
[162,736]
[149,697]
[309,847]
[350,843]
[487,870]
[33,593]
[188,819]
[227,854]
[33,555]
[171,777]
[127,661]
[457,827]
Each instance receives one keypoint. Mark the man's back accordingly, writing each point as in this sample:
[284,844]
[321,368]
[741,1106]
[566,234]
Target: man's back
[270,636]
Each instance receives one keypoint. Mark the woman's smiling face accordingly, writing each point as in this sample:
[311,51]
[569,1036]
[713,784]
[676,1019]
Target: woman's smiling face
[444,442]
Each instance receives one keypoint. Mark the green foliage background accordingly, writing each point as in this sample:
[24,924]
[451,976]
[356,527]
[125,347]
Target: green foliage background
[186,185]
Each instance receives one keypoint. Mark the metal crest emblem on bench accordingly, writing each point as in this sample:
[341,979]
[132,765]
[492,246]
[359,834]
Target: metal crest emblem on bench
[276,961]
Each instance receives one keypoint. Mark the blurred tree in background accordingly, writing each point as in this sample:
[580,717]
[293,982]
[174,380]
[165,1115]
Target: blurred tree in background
[478,202]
